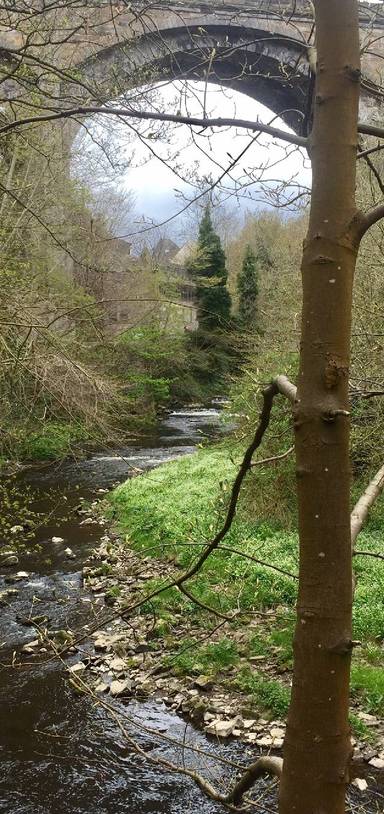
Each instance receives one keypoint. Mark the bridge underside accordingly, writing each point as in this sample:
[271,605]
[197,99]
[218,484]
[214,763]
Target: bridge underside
[269,68]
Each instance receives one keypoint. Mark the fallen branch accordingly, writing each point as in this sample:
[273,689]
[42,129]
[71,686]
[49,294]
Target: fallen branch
[365,503]
[264,765]
[231,800]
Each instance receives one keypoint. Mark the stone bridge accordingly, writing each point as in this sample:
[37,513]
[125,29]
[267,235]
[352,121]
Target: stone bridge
[259,47]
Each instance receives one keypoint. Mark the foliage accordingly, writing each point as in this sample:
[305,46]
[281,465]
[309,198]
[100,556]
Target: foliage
[248,289]
[53,440]
[208,270]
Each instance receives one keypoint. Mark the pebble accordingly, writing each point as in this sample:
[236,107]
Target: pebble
[118,665]
[360,783]
[376,762]
[69,553]
[29,647]
[203,682]
[102,687]
[121,687]
[79,667]
[17,577]
[57,539]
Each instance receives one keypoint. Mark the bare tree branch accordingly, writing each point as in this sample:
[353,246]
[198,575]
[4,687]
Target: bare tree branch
[365,502]
[150,115]
[274,458]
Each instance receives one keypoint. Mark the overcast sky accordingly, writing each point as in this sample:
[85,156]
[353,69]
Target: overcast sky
[166,167]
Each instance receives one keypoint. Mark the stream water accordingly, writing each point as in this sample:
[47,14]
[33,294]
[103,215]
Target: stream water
[60,753]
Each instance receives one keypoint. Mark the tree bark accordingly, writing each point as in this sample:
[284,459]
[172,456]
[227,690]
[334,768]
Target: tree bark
[317,745]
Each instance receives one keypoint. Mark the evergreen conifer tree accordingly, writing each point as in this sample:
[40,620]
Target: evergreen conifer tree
[208,268]
[248,289]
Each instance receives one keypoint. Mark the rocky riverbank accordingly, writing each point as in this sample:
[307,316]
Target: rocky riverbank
[133,658]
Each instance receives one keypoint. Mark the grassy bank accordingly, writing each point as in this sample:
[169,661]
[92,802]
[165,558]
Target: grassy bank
[171,512]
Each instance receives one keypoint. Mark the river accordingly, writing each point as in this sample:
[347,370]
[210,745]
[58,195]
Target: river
[61,753]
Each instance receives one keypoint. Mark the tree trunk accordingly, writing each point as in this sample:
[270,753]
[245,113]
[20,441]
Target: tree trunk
[317,746]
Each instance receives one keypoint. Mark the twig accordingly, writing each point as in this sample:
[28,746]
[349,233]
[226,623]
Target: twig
[273,459]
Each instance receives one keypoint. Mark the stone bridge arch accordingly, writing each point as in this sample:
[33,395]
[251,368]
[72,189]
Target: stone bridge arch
[269,67]
[260,49]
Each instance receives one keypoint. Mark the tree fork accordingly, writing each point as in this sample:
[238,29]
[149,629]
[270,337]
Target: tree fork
[317,746]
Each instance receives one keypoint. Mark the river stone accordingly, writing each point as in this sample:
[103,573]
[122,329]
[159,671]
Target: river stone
[376,762]
[222,729]
[203,682]
[17,577]
[360,783]
[69,553]
[11,559]
[102,687]
[276,732]
[118,665]
[77,668]
[121,687]
[265,741]
[57,539]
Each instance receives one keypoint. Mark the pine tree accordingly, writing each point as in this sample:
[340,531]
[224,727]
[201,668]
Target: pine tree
[248,289]
[208,268]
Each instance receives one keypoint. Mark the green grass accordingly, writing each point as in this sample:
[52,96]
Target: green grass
[359,729]
[172,511]
[367,685]
[267,694]
[209,659]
